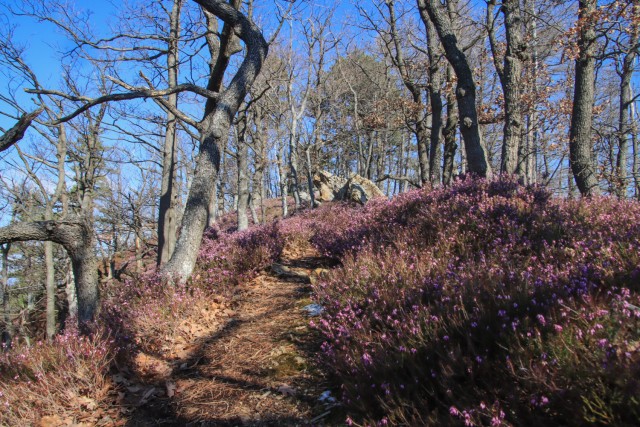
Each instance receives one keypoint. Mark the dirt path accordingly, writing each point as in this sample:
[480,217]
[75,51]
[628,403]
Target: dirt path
[258,368]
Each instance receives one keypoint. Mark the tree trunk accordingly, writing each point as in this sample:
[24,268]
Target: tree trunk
[310,176]
[50,286]
[435,97]
[624,128]
[466,89]
[7,330]
[293,168]
[283,182]
[509,73]
[243,179]
[580,145]
[72,296]
[167,221]
[260,139]
[85,273]
[219,113]
[78,240]
[528,152]
[635,161]
[449,132]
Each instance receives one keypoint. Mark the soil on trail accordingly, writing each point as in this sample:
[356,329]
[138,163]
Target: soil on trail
[257,368]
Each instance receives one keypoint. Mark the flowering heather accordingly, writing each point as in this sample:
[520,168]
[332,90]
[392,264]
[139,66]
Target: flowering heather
[69,377]
[487,303]
[229,258]
[64,378]
[147,313]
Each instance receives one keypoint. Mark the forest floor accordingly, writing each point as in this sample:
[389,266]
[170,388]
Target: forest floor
[253,365]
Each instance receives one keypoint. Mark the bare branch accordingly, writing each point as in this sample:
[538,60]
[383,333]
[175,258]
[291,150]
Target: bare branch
[134,94]
[16,133]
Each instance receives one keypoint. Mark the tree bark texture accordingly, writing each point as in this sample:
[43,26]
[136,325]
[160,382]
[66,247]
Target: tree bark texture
[528,150]
[282,181]
[50,290]
[626,99]
[16,133]
[580,145]
[218,116]
[167,220]
[242,158]
[624,125]
[435,98]
[449,132]
[77,238]
[7,329]
[466,89]
[509,73]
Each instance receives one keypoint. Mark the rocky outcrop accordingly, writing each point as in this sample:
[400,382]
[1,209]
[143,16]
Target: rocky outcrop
[328,185]
[355,188]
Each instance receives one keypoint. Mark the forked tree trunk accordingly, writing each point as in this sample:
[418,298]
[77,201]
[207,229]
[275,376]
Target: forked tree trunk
[466,89]
[77,238]
[219,113]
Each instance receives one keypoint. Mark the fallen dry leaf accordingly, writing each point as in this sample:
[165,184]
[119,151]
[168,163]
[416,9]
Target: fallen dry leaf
[87,402]
[171,388]
[51,421]
[286,390]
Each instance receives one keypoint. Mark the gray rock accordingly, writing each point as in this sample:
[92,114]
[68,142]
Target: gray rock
[355,188]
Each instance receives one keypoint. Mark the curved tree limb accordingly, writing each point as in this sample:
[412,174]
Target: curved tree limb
[16,133]
[215,127]
[77,239]
[135,94]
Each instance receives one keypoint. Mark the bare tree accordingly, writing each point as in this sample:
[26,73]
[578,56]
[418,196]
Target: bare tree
[214,127]
[466,89]
[509,71]
[580,145]
[434,71]
[421,130]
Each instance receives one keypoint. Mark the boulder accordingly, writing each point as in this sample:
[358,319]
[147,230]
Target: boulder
[355,188]
[328,185]
[361,190]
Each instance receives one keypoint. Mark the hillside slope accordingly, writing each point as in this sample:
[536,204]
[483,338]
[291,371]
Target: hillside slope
[486,303]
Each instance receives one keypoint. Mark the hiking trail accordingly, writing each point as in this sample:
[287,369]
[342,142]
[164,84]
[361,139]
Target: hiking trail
[256,368]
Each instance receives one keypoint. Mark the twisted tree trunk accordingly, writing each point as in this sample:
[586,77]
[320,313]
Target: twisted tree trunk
[214,127]
[77,238]
[465,91]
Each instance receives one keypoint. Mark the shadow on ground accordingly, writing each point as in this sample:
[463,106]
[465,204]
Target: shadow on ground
[257,370]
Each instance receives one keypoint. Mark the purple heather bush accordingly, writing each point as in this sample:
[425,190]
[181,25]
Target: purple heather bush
[487,303]
[227,259]
[64,377]
[145,312]
[69,376]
